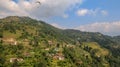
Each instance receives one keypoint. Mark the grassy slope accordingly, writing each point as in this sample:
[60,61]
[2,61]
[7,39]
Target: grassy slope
[43,33]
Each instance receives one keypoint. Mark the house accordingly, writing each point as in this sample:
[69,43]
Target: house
[58,56]
[78,62]
[16,59]
[61,58]
[56,49]
[11,41]
[50,42]
[13,59]
[70,46]
[19,59]
[47,49]
[26,41]
[15,43]
[50,54]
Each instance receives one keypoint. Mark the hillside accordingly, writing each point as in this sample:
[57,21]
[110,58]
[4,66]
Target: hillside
[26,42]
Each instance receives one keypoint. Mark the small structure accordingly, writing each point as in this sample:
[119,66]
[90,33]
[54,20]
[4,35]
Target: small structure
[78,62]
[19,59]
[15,43]
[16,59]
[58,56]
[70,46]
[26,41]
[13,59]
[11,41]
[56,49]
[47,49]
[50,42]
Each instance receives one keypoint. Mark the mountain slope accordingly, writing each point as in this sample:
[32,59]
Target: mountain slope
[28,42]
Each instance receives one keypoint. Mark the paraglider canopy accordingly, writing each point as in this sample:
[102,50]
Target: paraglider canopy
[38,2]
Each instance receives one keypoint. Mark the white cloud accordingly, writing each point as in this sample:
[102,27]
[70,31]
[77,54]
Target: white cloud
[104,12]
[109,28]
[65,16]
[57,25]
[83,12]
[47,8]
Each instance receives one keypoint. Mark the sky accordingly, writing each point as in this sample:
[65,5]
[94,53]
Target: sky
[86,15]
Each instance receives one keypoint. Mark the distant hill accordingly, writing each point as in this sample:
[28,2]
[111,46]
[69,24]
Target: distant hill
[26,42]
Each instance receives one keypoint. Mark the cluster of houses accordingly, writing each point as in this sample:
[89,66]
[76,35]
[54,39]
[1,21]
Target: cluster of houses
[57,56]
[13,41]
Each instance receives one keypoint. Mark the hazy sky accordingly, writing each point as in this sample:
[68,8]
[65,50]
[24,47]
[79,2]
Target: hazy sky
[86,15]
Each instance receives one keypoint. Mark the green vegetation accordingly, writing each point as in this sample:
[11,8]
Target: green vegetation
[25,42]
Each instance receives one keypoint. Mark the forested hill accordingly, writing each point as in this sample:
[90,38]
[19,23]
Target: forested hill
[26,42]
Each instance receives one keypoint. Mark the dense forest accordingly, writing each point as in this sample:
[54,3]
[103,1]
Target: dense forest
[26,42]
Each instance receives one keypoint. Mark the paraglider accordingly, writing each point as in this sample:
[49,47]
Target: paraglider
[38,2]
